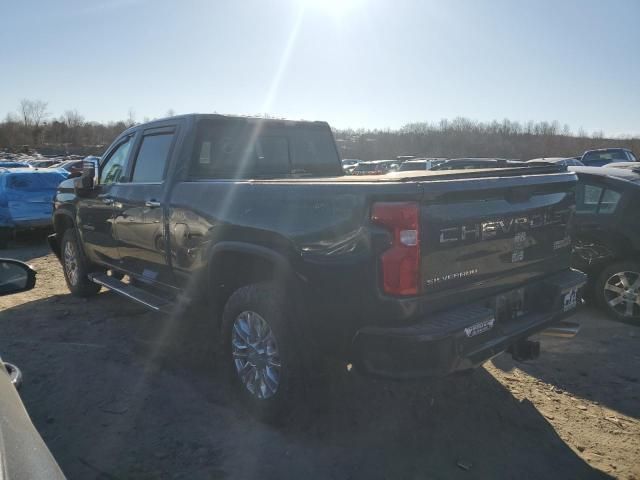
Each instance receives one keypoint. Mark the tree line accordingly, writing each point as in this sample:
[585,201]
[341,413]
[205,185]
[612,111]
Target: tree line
[462,137]
[32,127]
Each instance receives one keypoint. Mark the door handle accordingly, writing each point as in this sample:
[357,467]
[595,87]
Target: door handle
[152,204]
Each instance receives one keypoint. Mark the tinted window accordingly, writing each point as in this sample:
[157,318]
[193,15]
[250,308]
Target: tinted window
[116,164]
[595,199]
[588,197]
[241,149]
[632,157]
[152,158]
[609,201]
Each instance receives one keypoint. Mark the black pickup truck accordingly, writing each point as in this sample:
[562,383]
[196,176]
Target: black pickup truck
[404,275]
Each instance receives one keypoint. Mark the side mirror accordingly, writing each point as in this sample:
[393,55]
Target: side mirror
[89,177]
[15,276]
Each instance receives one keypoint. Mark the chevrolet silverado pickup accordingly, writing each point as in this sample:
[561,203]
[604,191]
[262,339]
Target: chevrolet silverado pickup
[404,275]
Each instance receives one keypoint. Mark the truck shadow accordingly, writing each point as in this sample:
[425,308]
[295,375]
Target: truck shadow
[118,393]
[27,245]
[600,364]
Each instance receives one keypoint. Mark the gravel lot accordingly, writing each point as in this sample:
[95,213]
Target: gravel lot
[117,392]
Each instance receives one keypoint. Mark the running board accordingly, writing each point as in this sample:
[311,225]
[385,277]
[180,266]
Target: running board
[148,299]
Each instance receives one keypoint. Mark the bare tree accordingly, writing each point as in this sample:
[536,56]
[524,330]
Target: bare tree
[131,118]
[72,119]
[73,122]
[33,113]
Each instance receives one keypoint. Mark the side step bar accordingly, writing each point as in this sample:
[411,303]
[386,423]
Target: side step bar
[136,294]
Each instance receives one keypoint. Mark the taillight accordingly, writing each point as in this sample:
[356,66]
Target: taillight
[401,262]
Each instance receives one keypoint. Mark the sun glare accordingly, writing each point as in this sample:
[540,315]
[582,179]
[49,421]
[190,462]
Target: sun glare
[335,8]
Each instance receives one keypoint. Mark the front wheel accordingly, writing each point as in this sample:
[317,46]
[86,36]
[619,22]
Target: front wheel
[75,267]
[260,356]
[618,290]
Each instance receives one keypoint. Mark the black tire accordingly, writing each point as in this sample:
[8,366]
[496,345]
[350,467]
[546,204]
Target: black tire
[269,303]
[76,267]
[617,291]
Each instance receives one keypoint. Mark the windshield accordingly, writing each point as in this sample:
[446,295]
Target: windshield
[609,156]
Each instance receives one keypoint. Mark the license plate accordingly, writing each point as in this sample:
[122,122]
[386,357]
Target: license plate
[570,299]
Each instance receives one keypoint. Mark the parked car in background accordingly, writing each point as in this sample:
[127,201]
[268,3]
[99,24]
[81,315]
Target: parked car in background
[10,164]
[603,156]
[44,163]
[23,453]
[568,162]
[420,164]
[348,164]
[606,234]
[73,167]
[376,167]
[26,200]
[472,163]
[634,166]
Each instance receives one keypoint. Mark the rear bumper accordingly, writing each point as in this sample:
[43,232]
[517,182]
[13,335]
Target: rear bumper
[449,341]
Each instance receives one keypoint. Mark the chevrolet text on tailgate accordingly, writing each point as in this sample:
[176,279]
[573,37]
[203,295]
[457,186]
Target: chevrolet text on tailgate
[409,274]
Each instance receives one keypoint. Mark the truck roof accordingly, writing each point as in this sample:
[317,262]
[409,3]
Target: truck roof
[217,116]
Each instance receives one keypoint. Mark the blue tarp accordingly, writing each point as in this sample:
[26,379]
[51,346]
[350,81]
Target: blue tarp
[26,196]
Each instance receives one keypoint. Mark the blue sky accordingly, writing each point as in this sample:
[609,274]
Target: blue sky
[354,63]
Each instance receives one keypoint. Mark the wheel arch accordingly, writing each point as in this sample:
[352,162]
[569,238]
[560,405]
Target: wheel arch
[234,264]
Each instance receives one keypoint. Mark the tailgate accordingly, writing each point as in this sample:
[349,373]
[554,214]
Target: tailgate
[477,231]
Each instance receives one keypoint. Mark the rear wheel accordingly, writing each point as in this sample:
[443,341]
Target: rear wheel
[618,290]
[75,267]
[260,357]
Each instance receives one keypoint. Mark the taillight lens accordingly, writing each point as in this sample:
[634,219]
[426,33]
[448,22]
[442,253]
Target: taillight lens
[401,262]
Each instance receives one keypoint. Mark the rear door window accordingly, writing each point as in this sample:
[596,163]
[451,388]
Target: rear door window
[609,201]
[151,161]
[596,199]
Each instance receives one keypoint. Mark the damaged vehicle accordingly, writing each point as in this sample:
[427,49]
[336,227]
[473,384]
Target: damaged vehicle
[26,200]
[416,274]
[606,232]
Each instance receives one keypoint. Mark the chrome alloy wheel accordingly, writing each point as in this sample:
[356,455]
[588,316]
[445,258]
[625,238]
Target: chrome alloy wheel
[71,263]
[255,354]
[622,293]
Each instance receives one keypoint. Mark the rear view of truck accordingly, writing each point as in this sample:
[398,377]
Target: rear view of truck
[478,264]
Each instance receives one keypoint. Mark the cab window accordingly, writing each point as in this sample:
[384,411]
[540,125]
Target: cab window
[152,158]
[596,199]
[115,165]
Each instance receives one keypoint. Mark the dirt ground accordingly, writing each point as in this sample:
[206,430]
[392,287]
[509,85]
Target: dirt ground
[116,394]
